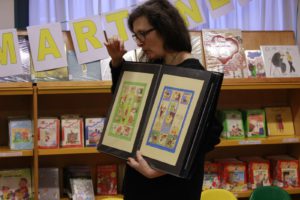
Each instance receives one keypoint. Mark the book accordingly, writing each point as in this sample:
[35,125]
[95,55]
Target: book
[49,184]
[224,52]
[163,111]
[255,123]
[48,133]
[16,184]
[281,60]
[197,50]
[211,178]
[285,170]
[279,121]
[85,72]
[255,64]
[232,124]
[72,132]
[259,171]
[82,188]
[107,179]
[93,130]
[20,134]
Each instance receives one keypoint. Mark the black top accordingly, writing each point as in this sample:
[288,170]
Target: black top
[138,187]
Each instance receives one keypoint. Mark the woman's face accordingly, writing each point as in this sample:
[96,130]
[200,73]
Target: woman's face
[149,40]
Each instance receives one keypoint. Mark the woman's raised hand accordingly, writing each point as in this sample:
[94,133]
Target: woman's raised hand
[116,50]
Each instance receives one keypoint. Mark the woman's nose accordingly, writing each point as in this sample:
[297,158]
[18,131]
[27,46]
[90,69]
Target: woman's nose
[139,43]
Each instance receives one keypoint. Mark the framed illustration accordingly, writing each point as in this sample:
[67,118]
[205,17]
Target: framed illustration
[160,110]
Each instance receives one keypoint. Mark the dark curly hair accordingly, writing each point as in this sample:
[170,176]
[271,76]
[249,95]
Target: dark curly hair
[167,21]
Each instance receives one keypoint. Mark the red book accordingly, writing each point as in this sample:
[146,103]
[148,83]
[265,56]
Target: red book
[107,179]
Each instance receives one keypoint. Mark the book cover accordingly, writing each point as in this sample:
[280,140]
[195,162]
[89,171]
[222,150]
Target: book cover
[82,189]
[16,184]
[281,60]
[20,134]
[160,110]
[48,133]
[223,52]
[232,124]
[255,125]
[72,132]
[285,171]
[93,130]
[49,184]
[85,72]
[197,50]
[255,64]
[26,62]
[107,179]
[279,121]
[211,178]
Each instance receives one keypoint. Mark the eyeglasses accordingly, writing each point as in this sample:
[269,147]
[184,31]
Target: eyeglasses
[141,35]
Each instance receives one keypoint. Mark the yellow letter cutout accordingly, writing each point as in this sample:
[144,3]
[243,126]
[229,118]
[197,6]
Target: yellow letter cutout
[193,12]
[8,43]
[47,45]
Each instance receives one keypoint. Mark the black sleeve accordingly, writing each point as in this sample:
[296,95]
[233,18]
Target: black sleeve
[115,74]
[212,135]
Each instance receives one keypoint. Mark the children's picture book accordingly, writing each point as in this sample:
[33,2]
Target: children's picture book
[223,52]
[49,184]
[211,179]
[285,171]
[15,184]
[85,72]
[197,49]
[93,130]
[20,134]
[232,124]
[233,174]
[255,64]
[58,74]
[160,110]
[281,60]
[255,123]
[279,121]
[72,132]
[48,133]
[26,62]
[82,189]
[259,171]
[107,179]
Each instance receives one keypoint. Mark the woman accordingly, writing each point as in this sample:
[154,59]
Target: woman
[161,33]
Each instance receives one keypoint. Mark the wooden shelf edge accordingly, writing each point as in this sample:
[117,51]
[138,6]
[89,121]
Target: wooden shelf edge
[16,88]
[261,83]
[67,151]
[247,193]
[6,152]
[74,87]
[259,141]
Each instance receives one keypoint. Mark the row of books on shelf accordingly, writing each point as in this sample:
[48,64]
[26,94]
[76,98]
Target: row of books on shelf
[244,173]
[69,131]
[77,182]
[254,123]
[218,50]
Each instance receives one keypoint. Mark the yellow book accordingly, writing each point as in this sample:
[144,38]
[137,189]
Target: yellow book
[279,121]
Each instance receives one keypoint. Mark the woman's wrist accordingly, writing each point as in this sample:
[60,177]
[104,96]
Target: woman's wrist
[116,63]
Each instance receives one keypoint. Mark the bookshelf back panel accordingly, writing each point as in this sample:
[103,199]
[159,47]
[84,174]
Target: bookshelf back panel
[252,99]
[247,150]
[15,162]
[253,39]
[16,106]
[82,104]
[295,105]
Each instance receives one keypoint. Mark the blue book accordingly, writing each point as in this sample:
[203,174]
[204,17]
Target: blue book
[20,134]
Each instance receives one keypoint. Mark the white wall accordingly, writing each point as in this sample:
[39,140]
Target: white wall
[7,17]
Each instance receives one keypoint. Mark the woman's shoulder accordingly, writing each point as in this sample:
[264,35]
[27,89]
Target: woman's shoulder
[192,63]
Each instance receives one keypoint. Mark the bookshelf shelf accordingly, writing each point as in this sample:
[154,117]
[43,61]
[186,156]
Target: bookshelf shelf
[6,152]
[261,83]
[260,141]
[17,88]
[71,87]
[68,151]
